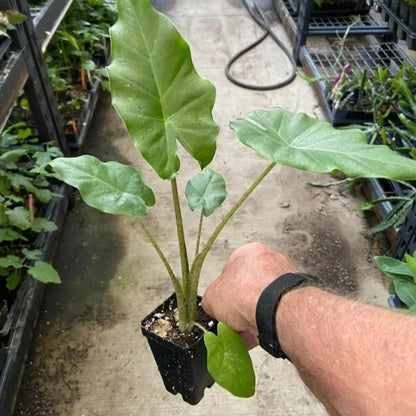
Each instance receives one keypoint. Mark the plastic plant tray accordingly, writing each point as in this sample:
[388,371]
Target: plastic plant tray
[29,301]
[399,21]
[341,8]
[406,237]
[325,64]
[327,26]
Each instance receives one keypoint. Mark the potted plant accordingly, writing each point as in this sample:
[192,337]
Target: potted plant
[162,101]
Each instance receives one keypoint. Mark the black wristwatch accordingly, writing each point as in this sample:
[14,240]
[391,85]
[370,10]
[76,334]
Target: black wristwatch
[267,307]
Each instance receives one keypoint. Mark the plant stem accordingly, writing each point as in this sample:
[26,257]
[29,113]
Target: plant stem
[198,240]
[199,326]
[190,290]
[179,229]
[232,211]
[173,278]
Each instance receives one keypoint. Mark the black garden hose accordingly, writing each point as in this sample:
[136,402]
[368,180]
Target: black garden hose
[261,20]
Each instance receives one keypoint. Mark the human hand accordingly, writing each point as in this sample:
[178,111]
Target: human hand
[232,297]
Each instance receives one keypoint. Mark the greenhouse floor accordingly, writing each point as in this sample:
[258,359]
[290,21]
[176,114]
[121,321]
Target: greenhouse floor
[88,356]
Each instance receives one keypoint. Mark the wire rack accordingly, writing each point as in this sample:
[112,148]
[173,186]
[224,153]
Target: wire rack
[327,64]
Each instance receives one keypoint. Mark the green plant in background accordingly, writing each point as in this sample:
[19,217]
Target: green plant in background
[397,216]
[77,52]
[164,103]
[404,278]
[21,155]
[8,19]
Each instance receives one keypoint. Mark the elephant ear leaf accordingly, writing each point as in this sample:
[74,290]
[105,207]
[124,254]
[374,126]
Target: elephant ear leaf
[206,190]
[108,186]
[229,362]
[156,90]
[300,141]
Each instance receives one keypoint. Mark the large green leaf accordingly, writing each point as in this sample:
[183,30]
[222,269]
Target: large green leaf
[302,142]
[206,190]
[229,362]
[156,90]
[108,186]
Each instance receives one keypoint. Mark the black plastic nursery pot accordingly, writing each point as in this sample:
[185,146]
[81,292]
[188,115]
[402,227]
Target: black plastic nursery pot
[22,317]
[181,363]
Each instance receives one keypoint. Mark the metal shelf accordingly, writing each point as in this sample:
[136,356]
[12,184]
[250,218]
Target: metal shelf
[48,19]
[26,69]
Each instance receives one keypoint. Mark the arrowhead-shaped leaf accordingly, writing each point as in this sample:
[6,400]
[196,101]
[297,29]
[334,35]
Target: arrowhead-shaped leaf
[206,190]
[229,362]
[44,272]
[302,142]
[156,90]
[108,186]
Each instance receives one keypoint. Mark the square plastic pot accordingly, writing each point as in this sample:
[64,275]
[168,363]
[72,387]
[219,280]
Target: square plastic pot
[183,369]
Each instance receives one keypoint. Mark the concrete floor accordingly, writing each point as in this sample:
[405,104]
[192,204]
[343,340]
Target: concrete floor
[88,356]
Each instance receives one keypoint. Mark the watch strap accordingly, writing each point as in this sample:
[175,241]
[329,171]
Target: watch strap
[267,307]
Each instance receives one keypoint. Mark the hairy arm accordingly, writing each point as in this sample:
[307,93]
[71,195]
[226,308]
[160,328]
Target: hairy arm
[357,359]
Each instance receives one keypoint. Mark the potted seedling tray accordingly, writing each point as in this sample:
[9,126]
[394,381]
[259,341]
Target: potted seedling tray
[26,309]
[77,137]
[326,65]
[401,18]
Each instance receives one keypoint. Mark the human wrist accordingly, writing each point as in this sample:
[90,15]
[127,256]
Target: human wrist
[266,309]
[286,316]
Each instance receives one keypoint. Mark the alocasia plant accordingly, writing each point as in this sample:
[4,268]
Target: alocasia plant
[162,101]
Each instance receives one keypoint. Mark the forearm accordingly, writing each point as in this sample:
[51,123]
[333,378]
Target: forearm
[357,359]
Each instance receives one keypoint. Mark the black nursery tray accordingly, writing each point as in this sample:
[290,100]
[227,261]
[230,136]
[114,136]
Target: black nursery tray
[14,349]
[323,64]
[326,25]
[336,9]
[401,19]
[77,139]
